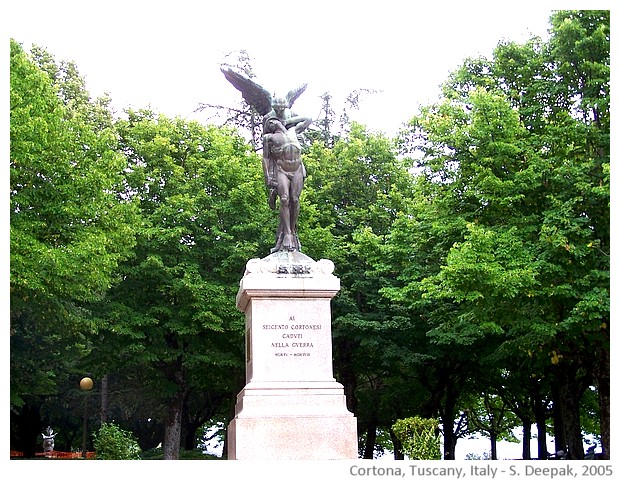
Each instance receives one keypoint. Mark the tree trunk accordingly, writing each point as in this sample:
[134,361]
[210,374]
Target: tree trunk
[569,393]
[172,432]
[493,436]
[540,415]
[346,376]
[572,422]
[449,444]
[231,416]
[449,437]
[371,440]
[104,399]
[558,420]
[527,440]
[225,448]
[601,377]
[188,432]
[398,447]
[187,440]
[447,418]
[189,427]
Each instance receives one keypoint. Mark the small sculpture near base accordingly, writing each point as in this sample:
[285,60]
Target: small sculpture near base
[48,440]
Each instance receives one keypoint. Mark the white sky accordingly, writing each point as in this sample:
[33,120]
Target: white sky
[167,54]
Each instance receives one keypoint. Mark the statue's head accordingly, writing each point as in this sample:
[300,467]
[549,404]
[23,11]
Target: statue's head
[279,104]
[273,124]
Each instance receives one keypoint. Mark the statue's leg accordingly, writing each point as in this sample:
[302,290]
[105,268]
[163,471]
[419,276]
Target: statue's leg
[288,239]
[285,223]
[285,240]
[278,245]
[296,186]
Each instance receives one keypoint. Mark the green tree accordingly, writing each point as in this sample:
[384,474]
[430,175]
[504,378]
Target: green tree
[69,227]
[446,348]
[515,162]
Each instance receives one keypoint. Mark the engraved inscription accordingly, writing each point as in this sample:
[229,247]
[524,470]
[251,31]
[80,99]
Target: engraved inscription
[299,333]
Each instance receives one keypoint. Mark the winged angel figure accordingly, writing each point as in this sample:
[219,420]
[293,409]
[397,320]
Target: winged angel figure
[282,166]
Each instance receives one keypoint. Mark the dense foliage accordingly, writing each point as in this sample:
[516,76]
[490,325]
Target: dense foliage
[473,252]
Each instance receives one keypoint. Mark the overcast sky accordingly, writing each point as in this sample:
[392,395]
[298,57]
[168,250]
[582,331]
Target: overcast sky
[167,54]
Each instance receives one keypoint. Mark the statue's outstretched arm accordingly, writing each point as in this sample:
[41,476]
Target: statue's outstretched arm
[303,124]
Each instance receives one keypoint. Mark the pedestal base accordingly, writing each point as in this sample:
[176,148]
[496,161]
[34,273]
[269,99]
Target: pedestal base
[292,438]
[292,421]
[291,408]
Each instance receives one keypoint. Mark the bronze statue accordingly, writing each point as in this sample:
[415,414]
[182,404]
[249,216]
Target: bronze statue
[284,171]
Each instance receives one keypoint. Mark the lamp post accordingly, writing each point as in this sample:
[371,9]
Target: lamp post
[85,384]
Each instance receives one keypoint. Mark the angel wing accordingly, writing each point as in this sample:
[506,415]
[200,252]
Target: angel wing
[252,92]
[294,94]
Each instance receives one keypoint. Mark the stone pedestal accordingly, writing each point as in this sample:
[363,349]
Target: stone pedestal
[291,408]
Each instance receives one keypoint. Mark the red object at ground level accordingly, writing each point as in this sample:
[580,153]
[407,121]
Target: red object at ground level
[56,455]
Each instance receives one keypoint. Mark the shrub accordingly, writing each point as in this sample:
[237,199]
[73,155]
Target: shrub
[113,443]
[419,438]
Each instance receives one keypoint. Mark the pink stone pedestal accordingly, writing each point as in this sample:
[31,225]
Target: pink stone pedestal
[291,408]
